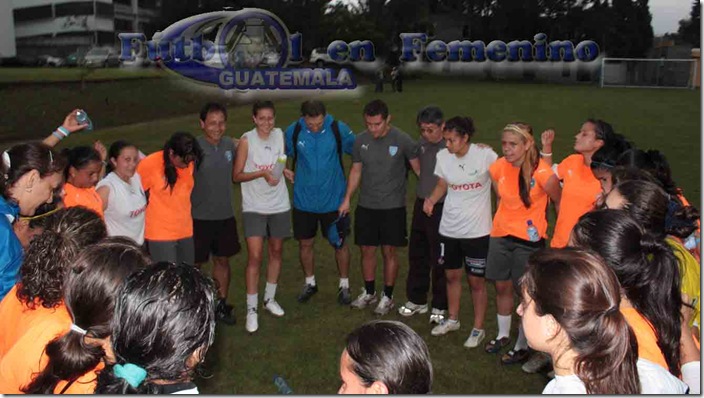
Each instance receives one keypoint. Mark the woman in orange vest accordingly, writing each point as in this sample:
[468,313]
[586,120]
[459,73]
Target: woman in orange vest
[524,185]
[580,188]
[86,166]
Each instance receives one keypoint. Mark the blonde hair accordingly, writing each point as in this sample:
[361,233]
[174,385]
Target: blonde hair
[530,161]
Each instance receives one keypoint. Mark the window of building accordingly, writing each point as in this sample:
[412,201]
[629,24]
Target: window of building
[32,13]
[74,8]
[104,10]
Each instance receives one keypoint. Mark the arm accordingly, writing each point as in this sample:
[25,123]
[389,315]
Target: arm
[496,191]
[547,138]
[439,190]
[415,165]
[103,156]
[104,193]
[554,191]
[70,125]
[352,185]
[238,174]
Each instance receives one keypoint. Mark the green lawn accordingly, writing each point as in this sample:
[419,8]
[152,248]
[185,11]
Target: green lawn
[66,74]
[304,346]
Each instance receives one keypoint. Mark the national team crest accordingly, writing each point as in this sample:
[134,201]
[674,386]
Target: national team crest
[532,182]
[393,149]
[228,156]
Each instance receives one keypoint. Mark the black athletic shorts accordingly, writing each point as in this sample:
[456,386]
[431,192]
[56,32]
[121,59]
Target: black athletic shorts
[305,224]
[374,227]
[472,253]
[216,237]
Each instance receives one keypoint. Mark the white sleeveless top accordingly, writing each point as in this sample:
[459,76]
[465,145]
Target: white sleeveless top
[124,215]
[257,195]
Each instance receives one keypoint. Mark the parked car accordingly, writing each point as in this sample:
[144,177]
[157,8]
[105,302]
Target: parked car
[101,57]
[49,60]
[73,59]
[319,57]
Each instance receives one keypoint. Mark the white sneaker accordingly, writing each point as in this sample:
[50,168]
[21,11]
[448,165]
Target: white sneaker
[363,300]
[437,316]
[409,309]
[252,323]
[385,305]
[274,307]
[475,338]
[445,326]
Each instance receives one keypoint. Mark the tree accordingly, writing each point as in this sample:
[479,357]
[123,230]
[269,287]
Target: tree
[689,29]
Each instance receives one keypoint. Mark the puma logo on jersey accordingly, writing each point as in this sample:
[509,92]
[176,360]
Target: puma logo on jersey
[301,144]
[365,146]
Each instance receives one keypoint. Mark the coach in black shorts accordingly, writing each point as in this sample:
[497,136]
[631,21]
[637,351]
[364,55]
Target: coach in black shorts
[214,225]
[379,167]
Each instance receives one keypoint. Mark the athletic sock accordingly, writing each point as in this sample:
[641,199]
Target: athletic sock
[344,283]
[521,342]
[252,301]
[504,322]
[310,280]
[269,291]
[369,286]
[389,291]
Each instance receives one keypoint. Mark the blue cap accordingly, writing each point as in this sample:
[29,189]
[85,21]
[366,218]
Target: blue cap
[337,230]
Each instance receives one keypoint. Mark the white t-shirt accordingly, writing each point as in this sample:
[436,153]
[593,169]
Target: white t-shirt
[467,210]
[257,195]
[654,379]
[124,215]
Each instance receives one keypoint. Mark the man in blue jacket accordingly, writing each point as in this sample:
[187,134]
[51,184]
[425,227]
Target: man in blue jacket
[315,144]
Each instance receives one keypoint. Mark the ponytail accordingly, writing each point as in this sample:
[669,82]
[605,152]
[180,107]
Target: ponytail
[530,161]
[581,293]
[69,358]
[646,268]
[655,293]
[606,360]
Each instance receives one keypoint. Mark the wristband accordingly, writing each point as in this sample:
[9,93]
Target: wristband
[63,130]
[58,135]
[545,154]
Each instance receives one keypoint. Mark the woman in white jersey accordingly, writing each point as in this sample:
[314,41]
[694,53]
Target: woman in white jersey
[265,206]
[463,173]
[121,190]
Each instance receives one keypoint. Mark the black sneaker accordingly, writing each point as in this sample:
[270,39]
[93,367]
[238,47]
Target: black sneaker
[343,296]
[223,313]
[308,292]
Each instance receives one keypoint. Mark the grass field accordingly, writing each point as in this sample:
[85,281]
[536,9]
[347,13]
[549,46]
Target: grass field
[304,346]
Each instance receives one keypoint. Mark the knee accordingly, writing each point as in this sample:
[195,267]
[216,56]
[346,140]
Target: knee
[255,259]
[306,244]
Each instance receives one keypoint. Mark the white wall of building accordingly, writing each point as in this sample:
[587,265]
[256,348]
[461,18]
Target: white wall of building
[7,31]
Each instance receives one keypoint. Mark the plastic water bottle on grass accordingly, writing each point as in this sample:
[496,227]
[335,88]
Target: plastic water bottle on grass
[282,386]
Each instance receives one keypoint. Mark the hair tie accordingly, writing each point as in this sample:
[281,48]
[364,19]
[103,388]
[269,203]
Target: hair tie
[51,158]
[133,374]
[611,310]
[78,329]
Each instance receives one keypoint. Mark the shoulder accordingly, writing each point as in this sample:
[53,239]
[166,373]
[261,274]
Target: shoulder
[572,160]
[344,127]
[656,380]
[443,155]
[498,165]
[290,128]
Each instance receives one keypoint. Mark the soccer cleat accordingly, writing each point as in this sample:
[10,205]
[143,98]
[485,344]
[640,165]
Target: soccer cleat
[343,296]
[385,305]
[445,326]
[409,309]
[363,300]
[308,292]
[274,308]
[475,338]
[224,314]
[437,316]
[252,323]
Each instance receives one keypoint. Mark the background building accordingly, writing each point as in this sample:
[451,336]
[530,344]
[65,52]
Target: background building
[61,27]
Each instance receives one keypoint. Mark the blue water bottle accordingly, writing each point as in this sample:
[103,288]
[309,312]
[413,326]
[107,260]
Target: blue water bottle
[82,117]
[533,234]
[281,385]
